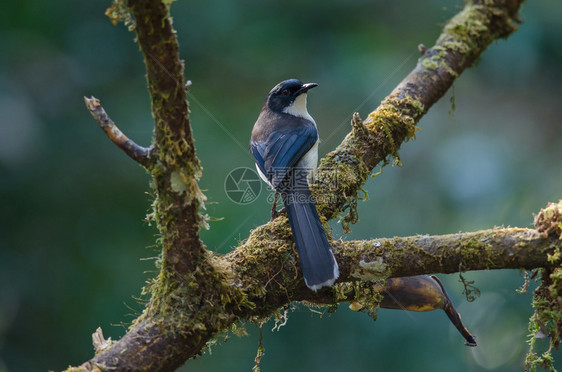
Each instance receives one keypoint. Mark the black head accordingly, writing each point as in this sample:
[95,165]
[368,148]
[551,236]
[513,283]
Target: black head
[284,94]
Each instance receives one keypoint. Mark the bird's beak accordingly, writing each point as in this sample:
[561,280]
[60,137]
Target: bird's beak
[306,87]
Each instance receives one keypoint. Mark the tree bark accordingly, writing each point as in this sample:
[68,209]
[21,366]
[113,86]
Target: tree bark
[198,293]
[377,259]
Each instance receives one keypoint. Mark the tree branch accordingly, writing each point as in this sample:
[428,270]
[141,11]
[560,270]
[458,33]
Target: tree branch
[280,282]
[464,38]
[177,169]
[198,294]
[370,261]
[134,151]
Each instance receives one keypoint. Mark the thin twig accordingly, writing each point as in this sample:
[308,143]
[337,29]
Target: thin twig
[135,152]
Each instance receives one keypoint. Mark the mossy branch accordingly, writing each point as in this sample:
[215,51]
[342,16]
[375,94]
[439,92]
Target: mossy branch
[174,165]
[197,294]
[280,282]
[265,270]
[372,141]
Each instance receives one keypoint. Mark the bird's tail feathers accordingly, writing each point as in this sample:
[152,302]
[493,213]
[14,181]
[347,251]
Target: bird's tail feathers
[318,263]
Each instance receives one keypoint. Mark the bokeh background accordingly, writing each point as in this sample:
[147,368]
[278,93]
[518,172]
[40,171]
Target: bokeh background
[75,250]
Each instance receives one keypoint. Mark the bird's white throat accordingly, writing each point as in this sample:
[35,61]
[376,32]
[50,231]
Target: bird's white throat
[298,108]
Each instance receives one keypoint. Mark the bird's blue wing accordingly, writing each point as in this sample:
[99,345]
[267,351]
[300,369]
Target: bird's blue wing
[282,150]
[258,149]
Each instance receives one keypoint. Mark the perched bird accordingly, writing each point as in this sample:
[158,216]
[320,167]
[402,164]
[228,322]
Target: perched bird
[284,143]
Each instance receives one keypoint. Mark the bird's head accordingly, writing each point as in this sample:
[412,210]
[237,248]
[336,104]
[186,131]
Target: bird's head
[289,97]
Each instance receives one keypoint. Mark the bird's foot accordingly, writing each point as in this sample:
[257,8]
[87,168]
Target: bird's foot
[276,213]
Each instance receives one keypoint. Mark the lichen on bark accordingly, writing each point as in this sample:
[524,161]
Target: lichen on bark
[198,294]
[546,320]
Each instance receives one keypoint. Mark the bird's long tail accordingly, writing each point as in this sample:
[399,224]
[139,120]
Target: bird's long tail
[318,263]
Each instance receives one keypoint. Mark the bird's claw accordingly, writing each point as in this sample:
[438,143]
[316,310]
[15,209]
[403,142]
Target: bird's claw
[275,213]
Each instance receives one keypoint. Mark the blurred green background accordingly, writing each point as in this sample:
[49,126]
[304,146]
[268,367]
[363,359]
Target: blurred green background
[75,250]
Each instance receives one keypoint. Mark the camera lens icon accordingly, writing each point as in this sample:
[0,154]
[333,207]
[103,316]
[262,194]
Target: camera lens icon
[242,185]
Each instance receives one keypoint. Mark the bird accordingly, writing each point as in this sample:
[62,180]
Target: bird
[284,143]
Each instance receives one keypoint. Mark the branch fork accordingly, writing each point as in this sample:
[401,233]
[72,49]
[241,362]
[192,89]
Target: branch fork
[193,297]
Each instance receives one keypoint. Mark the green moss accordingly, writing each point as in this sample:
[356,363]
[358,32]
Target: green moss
[403,113]
[546,321]
[391,124]
[342,172]
[178,182]
[260,353]
[119,12]
[465,31]
[271,244]
[94,368]
[476,250]
[466,35]
[367,297]
[191,304]
[375,270]
[344,168]
[430,64]
[549,220]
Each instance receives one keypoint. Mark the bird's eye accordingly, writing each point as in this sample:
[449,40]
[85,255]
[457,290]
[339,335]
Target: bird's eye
[285,92]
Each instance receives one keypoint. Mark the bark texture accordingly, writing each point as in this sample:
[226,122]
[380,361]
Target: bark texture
[198,293]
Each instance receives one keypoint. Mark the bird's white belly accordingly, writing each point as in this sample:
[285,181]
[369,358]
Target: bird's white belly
[310,162]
